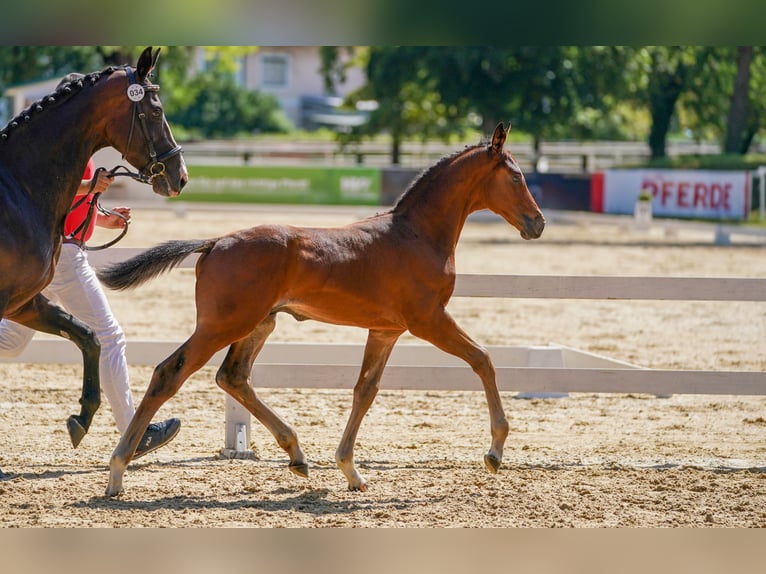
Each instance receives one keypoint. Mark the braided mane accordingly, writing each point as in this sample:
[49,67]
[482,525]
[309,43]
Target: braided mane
[61,95]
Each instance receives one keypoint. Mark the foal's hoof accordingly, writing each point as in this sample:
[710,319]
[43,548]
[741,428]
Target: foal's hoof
[76,430]
[491,463]
[112,492]
[300,468]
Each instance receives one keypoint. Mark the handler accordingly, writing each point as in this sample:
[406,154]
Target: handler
[76,288]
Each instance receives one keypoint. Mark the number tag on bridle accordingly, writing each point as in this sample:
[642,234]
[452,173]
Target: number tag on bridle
[136,92]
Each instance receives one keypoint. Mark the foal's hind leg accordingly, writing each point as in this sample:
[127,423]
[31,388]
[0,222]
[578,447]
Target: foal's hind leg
[234,377]
[376,353]
[441,330]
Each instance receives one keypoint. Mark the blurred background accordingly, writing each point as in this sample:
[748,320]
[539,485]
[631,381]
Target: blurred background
[355,124]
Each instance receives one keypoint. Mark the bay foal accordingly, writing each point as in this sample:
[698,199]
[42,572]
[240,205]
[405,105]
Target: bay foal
[390,273]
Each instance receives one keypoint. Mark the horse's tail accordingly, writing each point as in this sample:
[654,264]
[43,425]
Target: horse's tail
[150,263]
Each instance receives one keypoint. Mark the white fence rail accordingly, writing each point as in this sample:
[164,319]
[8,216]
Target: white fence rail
[565,286]
[533,370]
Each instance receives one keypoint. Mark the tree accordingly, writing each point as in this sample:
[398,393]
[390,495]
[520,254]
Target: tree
[545,91]
[708,106]
[658,77]
[409,106]
[737,118]
[19,64]
[218,107]
[757,95]
[481,80]
[334,66]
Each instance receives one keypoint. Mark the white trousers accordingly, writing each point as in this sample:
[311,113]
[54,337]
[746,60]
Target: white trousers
[76,288]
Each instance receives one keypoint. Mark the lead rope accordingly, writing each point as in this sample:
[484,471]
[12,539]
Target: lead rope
[94,204]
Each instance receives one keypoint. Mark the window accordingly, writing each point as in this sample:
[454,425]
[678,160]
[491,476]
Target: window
[275,70]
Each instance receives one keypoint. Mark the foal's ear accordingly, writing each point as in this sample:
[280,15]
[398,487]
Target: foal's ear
[146,63]
[498,138]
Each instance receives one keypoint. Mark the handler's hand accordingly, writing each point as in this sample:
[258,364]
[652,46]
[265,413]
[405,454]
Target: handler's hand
[113,221]
[103,180]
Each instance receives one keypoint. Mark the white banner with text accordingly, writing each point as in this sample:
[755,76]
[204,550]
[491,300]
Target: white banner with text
[704,194]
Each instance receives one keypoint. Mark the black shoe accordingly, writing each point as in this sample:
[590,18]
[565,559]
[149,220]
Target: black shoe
[157,435]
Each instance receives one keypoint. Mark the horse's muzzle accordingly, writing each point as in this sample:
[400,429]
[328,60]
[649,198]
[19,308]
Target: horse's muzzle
[533,227]
[168,186]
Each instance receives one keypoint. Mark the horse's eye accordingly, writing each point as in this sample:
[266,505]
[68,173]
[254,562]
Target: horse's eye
[156,113]
[516,179]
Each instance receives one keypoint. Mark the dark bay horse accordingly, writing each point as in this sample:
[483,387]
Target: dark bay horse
[390,273]
[43,154]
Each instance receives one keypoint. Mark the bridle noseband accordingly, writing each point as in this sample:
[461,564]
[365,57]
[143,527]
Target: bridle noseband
[156,166]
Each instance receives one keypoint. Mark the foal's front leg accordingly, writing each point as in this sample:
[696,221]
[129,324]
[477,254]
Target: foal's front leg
[441,330]
[167,378]
[376,353]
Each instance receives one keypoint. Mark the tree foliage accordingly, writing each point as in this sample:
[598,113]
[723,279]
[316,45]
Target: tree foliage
[217,107]
[572,92]
[409,104]
[545,91]
[206,103]
[423,92]
[20,64]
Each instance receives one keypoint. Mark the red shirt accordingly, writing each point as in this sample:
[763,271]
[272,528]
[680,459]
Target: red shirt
[80,213]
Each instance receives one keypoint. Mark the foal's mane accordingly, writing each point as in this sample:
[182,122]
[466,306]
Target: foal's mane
[426,177]
[64,93]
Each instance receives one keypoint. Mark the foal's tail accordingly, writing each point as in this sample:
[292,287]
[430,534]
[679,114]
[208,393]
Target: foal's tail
[151,263]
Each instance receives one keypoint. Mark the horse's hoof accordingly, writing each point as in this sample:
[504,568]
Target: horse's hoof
[491,463]
[76,430]
[111,493]
[362,487]
[301,469]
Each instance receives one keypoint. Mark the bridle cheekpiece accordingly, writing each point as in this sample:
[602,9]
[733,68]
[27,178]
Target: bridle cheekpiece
[156,166]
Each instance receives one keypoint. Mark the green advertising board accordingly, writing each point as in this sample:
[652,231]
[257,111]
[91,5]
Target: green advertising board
[288,184]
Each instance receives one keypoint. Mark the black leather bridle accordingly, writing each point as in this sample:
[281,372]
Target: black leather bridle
[154,168]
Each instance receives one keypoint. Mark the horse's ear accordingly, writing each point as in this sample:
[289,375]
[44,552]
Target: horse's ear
[146,63]
[498,138]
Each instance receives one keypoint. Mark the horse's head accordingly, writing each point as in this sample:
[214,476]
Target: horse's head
[140,131]
[507,193]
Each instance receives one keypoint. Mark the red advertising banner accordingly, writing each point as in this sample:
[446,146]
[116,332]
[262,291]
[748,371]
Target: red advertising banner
[675,193]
